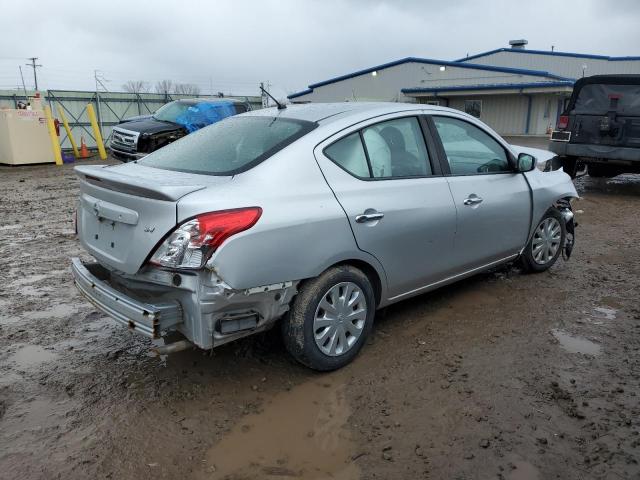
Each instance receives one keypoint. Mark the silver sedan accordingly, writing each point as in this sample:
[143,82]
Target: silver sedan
[311,217]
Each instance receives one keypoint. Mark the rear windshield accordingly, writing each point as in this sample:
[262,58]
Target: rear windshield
[598,99]
[231,146]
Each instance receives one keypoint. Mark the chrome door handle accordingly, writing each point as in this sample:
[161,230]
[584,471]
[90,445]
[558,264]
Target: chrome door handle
[472,200]
[369,217]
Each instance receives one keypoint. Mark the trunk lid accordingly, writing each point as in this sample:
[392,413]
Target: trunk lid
[126,210]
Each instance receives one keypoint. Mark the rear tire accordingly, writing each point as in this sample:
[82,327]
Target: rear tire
[330,318]
[601,171]
[546,243]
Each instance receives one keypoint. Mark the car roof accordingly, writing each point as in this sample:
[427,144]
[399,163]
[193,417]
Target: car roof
[324,113]
[618,79]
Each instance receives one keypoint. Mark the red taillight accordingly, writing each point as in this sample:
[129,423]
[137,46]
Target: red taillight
[216,227]
[191,244]
[563,122]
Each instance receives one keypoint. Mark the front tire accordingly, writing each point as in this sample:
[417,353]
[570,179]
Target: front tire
[570,166]
[546,243]
[330,318]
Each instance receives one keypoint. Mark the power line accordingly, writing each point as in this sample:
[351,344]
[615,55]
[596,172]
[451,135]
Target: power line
[34,66]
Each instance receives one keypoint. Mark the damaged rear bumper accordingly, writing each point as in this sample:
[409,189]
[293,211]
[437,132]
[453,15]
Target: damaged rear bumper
[197,304]
[149,319]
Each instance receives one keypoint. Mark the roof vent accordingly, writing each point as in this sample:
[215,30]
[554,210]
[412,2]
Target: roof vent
[519,44]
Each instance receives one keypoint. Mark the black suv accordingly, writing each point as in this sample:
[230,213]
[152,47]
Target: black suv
[600,127]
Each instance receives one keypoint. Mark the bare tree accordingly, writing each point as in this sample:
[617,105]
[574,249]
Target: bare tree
[186,89]
[164,86]
[136,86]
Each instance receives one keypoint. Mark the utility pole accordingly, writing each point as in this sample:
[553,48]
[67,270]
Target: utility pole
[26,97]
[96,76]
[34,65]
[265,99]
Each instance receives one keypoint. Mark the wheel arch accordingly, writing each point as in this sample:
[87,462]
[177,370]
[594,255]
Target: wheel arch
[370,272]
[547,189]
[370,266]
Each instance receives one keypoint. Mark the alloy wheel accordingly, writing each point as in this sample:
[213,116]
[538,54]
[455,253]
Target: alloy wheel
[546,241]
[340,318]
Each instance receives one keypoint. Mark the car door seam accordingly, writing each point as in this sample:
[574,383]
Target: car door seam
[346,215]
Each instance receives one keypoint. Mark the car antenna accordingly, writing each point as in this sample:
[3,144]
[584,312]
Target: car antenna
[281,106]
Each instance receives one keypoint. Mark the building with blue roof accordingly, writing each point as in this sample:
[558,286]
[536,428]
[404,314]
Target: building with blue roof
[515,90]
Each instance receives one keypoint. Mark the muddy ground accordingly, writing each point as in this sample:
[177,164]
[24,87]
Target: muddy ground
[503,375]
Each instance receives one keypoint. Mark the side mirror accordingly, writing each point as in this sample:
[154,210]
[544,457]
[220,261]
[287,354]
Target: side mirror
[525,162]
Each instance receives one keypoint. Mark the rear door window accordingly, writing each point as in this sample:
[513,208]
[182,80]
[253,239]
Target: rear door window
[396,148]
[392,149]
[348,153]
[230,146]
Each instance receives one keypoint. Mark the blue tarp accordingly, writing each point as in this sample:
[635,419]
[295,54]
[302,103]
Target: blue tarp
[205,113]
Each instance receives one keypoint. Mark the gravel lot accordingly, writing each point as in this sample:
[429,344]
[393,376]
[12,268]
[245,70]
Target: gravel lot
[503,375]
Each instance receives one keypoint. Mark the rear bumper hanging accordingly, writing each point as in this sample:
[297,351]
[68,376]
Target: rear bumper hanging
[149,319]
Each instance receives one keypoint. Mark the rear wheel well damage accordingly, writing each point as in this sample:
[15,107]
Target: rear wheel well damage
[363,266]
[371,274]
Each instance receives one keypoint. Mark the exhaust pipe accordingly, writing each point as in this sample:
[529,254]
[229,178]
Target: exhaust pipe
[172,347]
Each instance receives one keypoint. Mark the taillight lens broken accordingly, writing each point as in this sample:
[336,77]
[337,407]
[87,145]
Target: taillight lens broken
[563,122]
[191,244]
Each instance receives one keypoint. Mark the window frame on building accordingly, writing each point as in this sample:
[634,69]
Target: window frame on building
[473,101]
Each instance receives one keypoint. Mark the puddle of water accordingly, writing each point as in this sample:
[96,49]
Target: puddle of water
[300,433]
[30,290]
[607,313]
[523,471]
[44,422]
[30,356]
[574,344]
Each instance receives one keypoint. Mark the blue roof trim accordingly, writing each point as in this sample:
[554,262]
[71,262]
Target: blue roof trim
[495,86]
[553,54]
[429,61]
[299,94]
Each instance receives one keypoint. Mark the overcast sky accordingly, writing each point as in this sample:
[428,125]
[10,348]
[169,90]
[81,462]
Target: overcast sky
[232,45]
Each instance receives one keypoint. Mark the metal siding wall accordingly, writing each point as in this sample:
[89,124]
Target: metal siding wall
[506,114]
[386,85]
[560,65]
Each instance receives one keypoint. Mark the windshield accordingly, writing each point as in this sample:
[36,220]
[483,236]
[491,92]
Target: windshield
[598,99]
[231,146]
[171,111]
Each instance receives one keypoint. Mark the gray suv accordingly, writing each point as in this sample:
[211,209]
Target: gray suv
[600,127]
